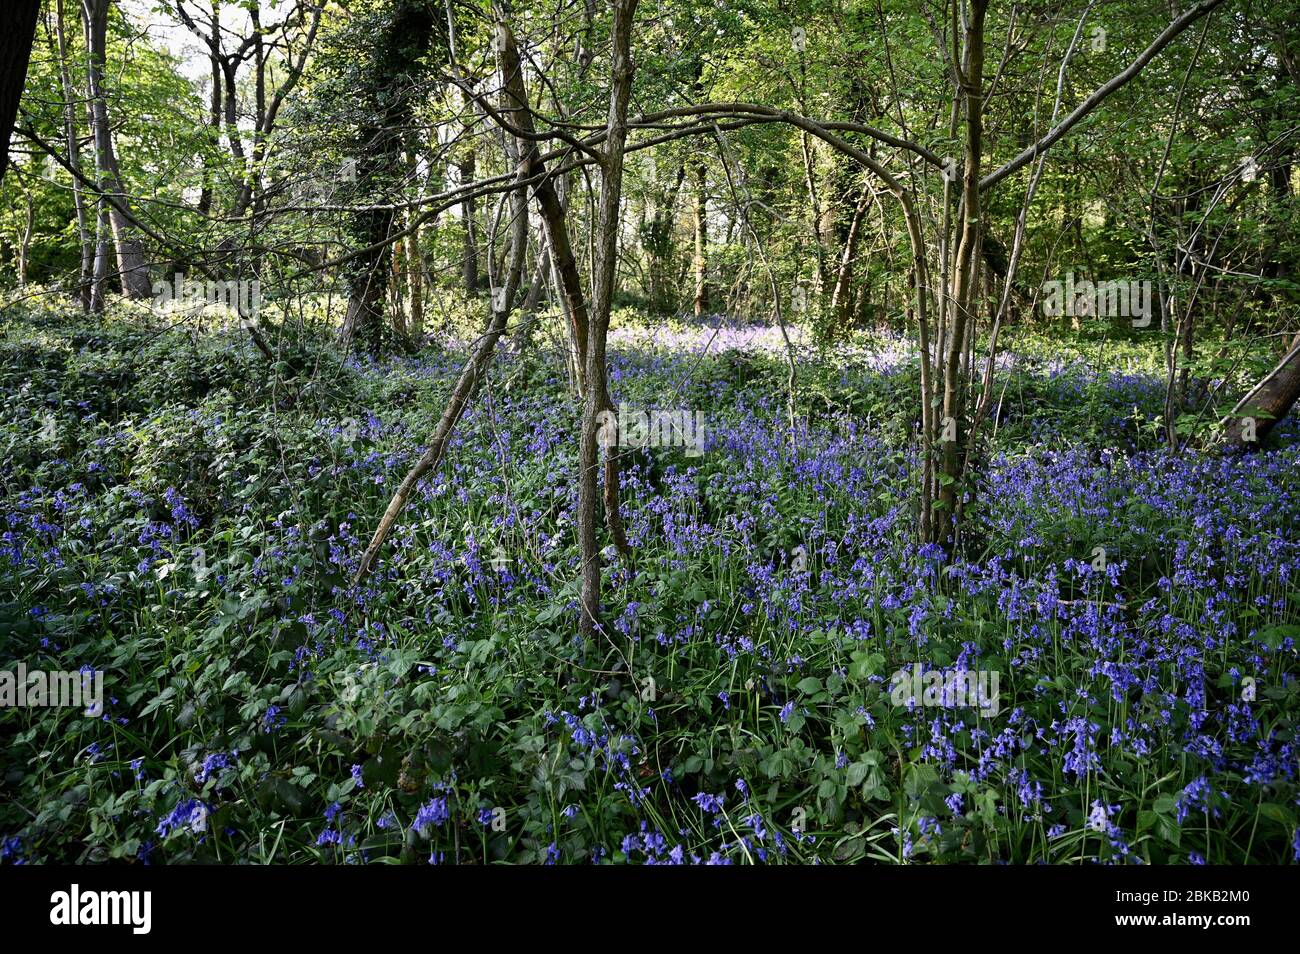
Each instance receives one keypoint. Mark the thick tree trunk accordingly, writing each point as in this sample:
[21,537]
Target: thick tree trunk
[17,34]
[368,286]
[1267,403]
[842,297]
[380,141]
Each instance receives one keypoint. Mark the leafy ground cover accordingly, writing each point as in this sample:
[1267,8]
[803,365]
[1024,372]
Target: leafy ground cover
[185,518]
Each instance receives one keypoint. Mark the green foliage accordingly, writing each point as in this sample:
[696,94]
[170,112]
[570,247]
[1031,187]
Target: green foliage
[204,508]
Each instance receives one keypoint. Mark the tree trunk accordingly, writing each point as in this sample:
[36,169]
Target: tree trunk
[965,276]
[821,239]
[468,212]
[481,357]
[701,242]
[554,219]
[841,297]
[99,273]
[1267,403]
[17,34]
[25,237]
[397,287]
[133,270]
[367,285]
[85,273]
[657,237]
[415,283]
[528,310]
[466,386]
[214,117]
[597,397]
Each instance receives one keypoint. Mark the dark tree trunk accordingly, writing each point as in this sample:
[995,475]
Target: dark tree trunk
[17,33]
[842,296]
[367,278]
[469,211]
[657,237]
[1267,403]
[701,242]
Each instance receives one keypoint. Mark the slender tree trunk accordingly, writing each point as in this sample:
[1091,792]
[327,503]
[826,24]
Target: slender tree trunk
[248,181]
[71,140]
[701,241]
[466,385]
[397,287]
[554,218]
[214,113]
[415,284]
[133,270]
[25,237]
[965,276]
[820,238]
[528,310]
[481,357]
[597,396]
[103,253]
[469,212]
[415,263]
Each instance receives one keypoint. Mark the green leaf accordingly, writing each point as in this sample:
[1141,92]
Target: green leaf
[1274,636]
[809,685]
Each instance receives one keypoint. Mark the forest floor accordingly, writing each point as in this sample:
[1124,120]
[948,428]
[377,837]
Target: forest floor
[186,519]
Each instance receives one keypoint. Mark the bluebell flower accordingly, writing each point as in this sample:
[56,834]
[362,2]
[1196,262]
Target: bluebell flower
[432,812]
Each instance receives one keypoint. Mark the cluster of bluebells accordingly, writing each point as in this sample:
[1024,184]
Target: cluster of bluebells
[1121,658]
[213,763]
[188,815]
